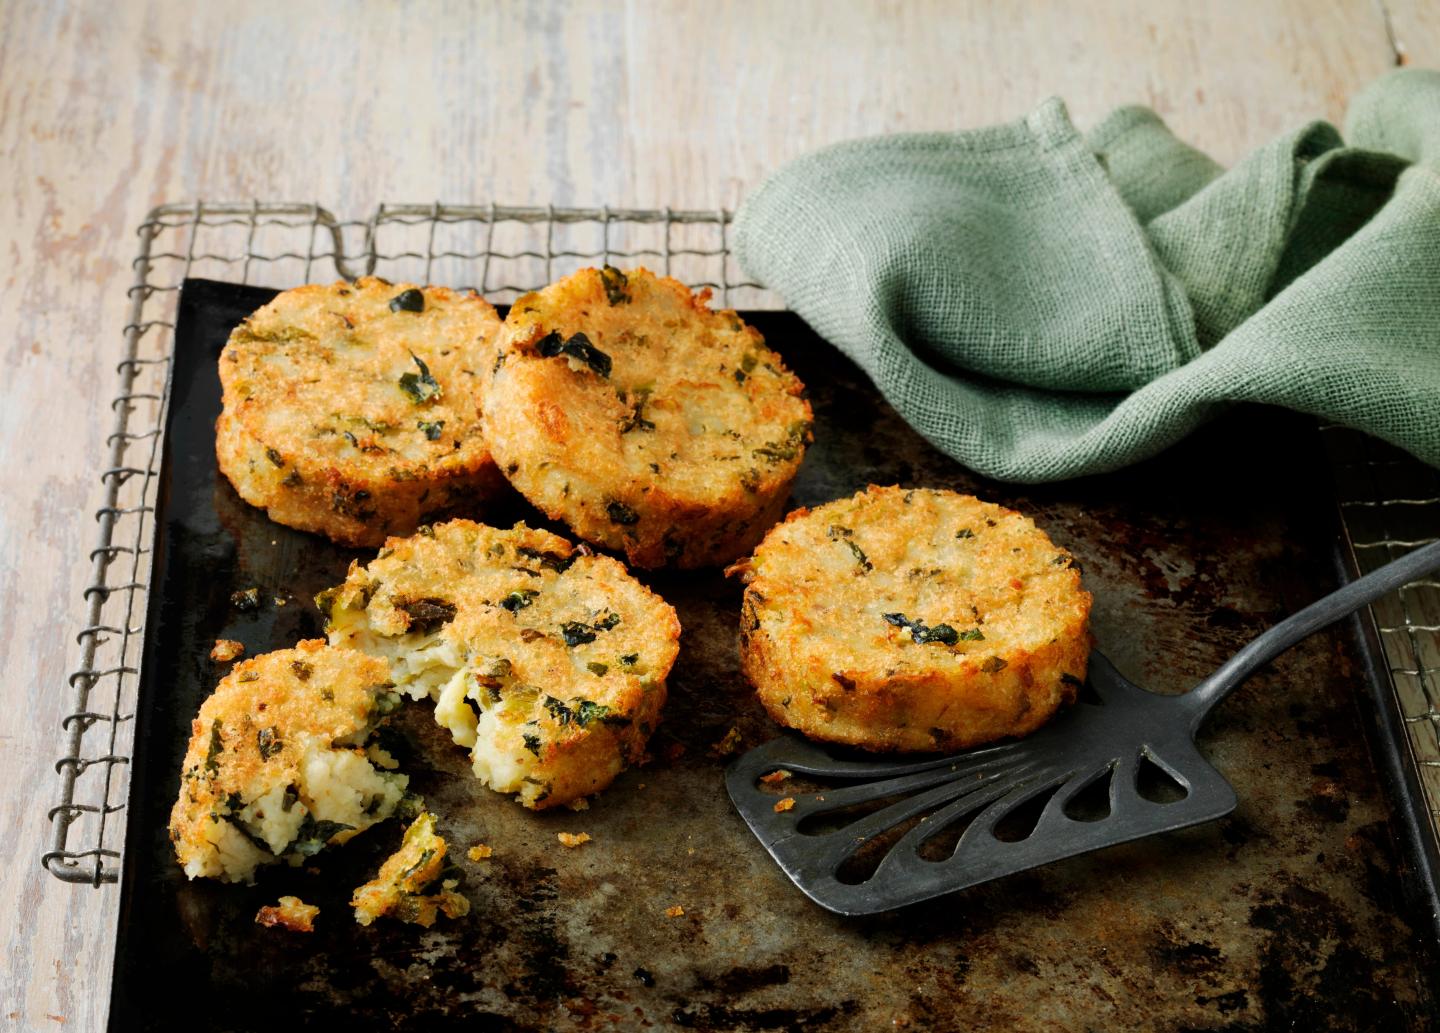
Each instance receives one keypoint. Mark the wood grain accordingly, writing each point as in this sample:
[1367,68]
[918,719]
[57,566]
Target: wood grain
[1414,30]
[107,110]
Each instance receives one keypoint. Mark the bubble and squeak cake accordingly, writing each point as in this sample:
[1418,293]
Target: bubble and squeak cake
[622,405]
[546,660]
[280,764]
[916,620]
[352,409]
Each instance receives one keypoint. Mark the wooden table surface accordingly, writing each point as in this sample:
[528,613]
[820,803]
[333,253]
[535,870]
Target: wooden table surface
[109,109]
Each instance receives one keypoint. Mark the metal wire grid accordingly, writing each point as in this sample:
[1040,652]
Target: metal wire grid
[497,250]
[1390,502]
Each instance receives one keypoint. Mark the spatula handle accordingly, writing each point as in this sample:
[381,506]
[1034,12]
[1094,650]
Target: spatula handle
[1317,615]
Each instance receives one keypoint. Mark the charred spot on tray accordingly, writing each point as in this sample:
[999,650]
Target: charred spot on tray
[408,301]
[246,600]
[427,615]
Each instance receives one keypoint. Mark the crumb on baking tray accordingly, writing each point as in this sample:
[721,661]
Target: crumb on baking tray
[787,804]
[226,649]
[572,839]
[398,890]
[292,913]
[775,777]
[675,911]
[728,745]
[480,852]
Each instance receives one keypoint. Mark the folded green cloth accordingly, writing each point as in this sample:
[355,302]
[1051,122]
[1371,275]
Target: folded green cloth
[1041,304]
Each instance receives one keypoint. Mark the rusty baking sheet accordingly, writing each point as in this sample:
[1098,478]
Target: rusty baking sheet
[1286,915]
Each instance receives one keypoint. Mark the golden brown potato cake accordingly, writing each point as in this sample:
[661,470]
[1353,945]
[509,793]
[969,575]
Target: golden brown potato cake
[622,405]
[546,660]
[912,620]
[398,889]
[278,764]
[353,409]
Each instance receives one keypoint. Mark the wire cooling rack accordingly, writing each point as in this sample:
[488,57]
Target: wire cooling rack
[1389,502]
[499,251]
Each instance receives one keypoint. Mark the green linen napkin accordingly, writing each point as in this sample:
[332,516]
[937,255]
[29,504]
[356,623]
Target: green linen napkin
[1041,304]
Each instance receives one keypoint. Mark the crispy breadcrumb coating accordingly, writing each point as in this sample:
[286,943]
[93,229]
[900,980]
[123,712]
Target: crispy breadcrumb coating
[352,409]
[622,405]
[548,662]
[912,620]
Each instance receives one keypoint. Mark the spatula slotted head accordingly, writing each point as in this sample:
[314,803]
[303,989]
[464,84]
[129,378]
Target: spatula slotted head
[860,835]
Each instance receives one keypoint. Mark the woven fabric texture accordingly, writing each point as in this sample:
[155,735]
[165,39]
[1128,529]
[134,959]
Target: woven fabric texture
[1042,304]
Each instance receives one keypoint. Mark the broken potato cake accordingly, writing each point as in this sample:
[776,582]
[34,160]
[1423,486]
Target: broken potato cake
[915,620]
[351,409]
[400,889]
[622,405]
[544,659]
[281,764]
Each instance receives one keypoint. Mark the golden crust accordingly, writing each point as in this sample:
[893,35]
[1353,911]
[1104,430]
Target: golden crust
[255,783]
[353,420]
[912,620]
[398,889]
[666,431]
[547,660]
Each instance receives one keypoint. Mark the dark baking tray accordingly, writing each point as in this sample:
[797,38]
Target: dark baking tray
[1289,914]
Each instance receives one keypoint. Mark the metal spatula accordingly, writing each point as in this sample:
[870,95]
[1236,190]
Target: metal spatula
[1119,765]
